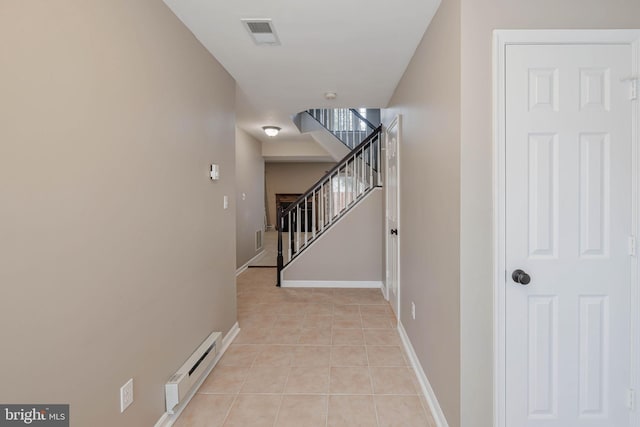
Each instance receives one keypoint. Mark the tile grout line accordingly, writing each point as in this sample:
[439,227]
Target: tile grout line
[226,415]
[237,394]
[328,389]
[373,391]
[305,393]
[275,420]
[330,354]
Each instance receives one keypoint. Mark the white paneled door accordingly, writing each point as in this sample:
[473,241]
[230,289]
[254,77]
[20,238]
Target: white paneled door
[393,209]
[568,227]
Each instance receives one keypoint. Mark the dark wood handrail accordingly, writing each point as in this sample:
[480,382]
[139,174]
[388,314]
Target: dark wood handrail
[279,257]
[342,162]
[361,117]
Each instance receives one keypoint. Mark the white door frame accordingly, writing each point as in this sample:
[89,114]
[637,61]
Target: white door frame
[502,38]
[397,121]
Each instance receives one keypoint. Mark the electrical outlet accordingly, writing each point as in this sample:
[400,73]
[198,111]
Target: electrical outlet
[126,395]
[413,310]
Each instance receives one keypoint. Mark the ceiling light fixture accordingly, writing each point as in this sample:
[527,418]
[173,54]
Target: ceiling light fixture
[330,95]
[271,130]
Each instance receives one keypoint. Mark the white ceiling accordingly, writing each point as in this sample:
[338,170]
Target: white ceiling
[357,48]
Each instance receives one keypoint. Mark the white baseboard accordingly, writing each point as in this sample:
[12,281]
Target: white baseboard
[330,284]
[432,401]
[164,420]
[385,291]
[167,420]
[244,266]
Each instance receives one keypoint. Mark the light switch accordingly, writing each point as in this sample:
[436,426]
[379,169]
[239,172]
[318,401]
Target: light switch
[225,202]
[244,196]
[214,173]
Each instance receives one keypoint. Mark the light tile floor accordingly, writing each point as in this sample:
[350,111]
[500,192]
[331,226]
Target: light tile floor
[310,357]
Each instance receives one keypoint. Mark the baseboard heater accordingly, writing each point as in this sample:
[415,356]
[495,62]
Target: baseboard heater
[181,383]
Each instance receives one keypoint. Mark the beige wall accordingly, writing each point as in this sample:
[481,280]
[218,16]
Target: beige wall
[479,19]
[428,94]
[116,257]
[350,250]
[307,150]
[428,98]
[250,182]
[290,178]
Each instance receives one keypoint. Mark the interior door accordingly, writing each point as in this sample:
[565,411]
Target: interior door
[568,224]
[393,248]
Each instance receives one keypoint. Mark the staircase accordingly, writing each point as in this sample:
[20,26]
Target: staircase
[346,124]
[337,130]
[339,190]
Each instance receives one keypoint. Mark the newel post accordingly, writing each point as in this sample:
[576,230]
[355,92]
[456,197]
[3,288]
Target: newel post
[280,258]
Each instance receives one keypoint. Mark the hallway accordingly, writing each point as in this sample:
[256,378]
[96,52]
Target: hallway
[269,257]
[310,357]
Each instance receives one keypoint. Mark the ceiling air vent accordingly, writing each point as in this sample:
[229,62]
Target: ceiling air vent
[261,31]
